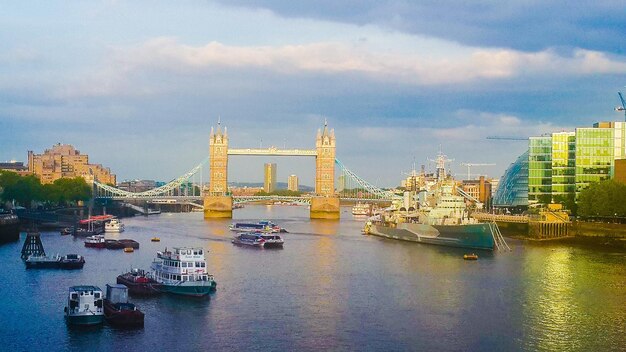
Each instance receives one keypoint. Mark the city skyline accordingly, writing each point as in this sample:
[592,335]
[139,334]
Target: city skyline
[138,85]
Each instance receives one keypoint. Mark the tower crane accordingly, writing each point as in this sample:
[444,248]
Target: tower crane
[508,138]
[473,164]
[623,107]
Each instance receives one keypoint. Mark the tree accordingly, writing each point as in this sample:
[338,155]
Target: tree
[24,191]
[603,199]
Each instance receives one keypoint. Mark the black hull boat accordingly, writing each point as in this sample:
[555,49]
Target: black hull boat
[139,284]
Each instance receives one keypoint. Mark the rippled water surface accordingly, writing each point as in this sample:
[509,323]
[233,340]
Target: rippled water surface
[330,288]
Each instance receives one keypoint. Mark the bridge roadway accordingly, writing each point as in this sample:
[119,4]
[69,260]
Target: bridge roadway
[236,199]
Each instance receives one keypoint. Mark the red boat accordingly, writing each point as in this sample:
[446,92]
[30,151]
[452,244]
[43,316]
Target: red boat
[139,283]
[118,311]
[95,241]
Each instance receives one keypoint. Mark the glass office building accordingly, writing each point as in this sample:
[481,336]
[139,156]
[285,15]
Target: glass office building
[540,169]
[513,186]
[563,166]
[594,156]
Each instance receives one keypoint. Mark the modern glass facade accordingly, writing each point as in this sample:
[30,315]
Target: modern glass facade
[513,187]
[594,156]
[540,169]
[563,166]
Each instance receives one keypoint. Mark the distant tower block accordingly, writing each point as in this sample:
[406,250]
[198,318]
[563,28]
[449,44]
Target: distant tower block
[32,245]
[326,204]
[217,203]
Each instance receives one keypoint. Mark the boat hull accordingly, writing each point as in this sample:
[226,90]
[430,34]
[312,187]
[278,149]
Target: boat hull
[85,319]
[475,236]
[189,290]
[122,317]
[148,288]
[42,264]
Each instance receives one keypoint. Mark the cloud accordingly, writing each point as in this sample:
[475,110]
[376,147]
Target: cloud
[164,54]
[521,25]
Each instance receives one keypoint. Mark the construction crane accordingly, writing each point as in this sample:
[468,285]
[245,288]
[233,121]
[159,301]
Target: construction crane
[469,175]
[508,138]
[623,107]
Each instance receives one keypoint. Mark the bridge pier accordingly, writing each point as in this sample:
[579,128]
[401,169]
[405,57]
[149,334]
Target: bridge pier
[216,207]
[325,208]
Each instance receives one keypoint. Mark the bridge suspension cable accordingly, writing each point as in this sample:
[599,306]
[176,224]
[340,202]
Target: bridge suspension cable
[351,186]
[155,192]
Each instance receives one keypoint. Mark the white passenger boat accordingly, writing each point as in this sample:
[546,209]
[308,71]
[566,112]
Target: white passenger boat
[183,271]
[114,225]
[84,306]
[361,209]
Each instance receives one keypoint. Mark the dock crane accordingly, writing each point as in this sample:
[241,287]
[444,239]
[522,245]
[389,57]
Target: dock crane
[469,175]
[623,107]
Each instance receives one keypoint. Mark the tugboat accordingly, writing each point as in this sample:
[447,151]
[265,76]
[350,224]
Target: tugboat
[139,283]
[84,306]
[183,272]
[249,239]
[118,311]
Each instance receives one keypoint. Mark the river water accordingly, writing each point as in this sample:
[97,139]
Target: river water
[330,288]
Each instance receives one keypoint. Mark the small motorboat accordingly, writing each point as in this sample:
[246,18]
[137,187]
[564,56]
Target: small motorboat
[155,239]
[118,311]
[471,256]
[129,249]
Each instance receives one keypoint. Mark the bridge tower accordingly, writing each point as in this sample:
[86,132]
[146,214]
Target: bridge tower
[217,202]
[326,204]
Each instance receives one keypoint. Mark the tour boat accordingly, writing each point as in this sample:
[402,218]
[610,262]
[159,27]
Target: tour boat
[361,209]
[95,241]
[139,283]
[118,311]
[183,271]
[114,225]
[272,241]
[84,306]
[261,226]
[249,239]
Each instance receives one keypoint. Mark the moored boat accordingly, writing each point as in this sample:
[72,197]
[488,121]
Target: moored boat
[84,306]
[118,311]
[9,227]
[95,241]
[72,261]
[114,225]
[183,272]
[155,239]
[42,261]
[360,209]
[139,283]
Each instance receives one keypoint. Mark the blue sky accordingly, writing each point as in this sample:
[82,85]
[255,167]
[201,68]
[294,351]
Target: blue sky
[138,85]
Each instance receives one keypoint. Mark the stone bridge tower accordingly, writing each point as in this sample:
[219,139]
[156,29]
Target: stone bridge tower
[217,203]
[326,204]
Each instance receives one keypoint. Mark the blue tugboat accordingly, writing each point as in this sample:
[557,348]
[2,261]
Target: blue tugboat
[84,306]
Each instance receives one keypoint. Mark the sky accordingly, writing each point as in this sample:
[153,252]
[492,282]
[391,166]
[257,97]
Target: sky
[137,85]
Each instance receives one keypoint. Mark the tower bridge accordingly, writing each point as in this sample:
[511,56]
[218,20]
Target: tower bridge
[218,202]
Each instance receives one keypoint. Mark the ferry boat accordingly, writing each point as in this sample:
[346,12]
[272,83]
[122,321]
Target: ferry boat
[95,241]
[139,283]
[118,311]
[249,239]
[261,226]
[114,225]
[361,209]
[84,306]
[183,272]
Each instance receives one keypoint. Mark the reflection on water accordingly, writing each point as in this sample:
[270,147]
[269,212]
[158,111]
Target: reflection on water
[330,288]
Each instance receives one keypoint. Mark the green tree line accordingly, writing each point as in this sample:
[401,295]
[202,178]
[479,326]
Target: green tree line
[25,190]
[603,199]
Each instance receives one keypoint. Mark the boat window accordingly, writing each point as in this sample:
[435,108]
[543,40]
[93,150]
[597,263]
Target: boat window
[200,252]
[97,295]
[185,277]
[74,296]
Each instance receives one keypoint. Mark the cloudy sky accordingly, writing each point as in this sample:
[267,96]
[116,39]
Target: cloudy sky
[137,85]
